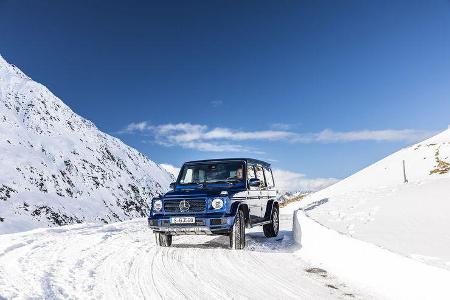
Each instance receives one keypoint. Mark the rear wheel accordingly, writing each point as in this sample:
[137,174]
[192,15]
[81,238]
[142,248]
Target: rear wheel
[237,235]
[271,229]
[163,240]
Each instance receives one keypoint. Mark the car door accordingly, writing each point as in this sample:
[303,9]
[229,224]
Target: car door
[253,194]
[262,203]
[270,190]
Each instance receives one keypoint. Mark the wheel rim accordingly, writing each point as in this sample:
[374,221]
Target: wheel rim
[275,221]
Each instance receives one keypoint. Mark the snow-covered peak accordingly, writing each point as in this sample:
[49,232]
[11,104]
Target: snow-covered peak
[424,161]
[58,168]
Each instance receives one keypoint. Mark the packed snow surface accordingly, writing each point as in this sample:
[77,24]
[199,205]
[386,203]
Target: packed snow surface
[122,261]
[57,168]
[377,206]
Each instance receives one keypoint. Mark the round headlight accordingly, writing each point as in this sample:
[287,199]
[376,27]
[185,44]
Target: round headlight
[157,205]
[217,203]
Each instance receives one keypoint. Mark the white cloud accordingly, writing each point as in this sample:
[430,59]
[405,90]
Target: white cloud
[288,181]
[216,103]
[229,134]
[216,147]
[203,138]
[407,135]
[133,127]
[199,137]
[171,169]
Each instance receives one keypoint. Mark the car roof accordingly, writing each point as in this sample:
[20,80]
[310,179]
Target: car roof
[248,160]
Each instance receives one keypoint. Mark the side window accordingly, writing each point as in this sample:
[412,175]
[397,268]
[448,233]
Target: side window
[269,177]
[250,172]
[260,175]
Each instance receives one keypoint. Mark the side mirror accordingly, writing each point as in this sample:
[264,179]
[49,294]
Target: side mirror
[172,185]
[254,182]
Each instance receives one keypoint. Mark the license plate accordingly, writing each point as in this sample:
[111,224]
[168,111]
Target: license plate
[182,220]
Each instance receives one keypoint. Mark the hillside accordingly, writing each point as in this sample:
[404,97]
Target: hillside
[57,168]
[375,205]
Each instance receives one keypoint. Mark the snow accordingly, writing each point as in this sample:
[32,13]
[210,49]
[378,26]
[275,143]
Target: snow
[121,261]
[369,267]
[376,206]
[57,168]
[171,169]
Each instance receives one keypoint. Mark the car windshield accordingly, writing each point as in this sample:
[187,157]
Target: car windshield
[229,172]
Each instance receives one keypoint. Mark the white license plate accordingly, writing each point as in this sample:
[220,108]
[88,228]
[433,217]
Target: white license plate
[182,220]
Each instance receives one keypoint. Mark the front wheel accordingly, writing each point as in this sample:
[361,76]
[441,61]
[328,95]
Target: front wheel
[163,240]
[271,229]
[237,235]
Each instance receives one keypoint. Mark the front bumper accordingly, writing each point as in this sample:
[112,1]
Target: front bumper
[204,224]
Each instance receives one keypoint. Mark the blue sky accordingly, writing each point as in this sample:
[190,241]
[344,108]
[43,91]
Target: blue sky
[322,88]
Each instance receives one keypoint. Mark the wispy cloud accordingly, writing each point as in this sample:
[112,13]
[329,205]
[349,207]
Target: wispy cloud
[407,135]
[282,126]
[191,136]
[216,103]
[135,127]
[221,139]
[288,181]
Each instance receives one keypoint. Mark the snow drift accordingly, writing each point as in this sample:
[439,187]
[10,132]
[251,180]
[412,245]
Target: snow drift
[377,206]
[57,168]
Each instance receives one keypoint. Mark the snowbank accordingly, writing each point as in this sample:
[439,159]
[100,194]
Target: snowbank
[370,267]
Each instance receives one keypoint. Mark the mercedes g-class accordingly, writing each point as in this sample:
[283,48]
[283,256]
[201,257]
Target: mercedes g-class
[217,197]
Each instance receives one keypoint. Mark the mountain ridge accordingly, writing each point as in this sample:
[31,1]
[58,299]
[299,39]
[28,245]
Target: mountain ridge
[59,168]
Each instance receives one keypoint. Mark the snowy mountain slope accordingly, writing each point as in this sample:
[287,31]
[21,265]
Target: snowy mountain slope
[57,168]
[375,205]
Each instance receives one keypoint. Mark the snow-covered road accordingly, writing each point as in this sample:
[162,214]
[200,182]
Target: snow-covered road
[121,261]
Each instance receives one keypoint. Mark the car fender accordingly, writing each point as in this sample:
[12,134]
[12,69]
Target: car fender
[235,206]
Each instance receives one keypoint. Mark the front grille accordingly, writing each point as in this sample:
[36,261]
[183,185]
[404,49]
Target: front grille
[195,205]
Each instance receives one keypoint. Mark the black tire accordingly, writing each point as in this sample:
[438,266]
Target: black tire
[237,235]
[163,240]
[271,229]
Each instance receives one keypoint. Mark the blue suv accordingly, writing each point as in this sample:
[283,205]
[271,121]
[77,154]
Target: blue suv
[217,197]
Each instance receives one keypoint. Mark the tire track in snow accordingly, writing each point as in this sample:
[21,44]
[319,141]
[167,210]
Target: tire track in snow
[122,261]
